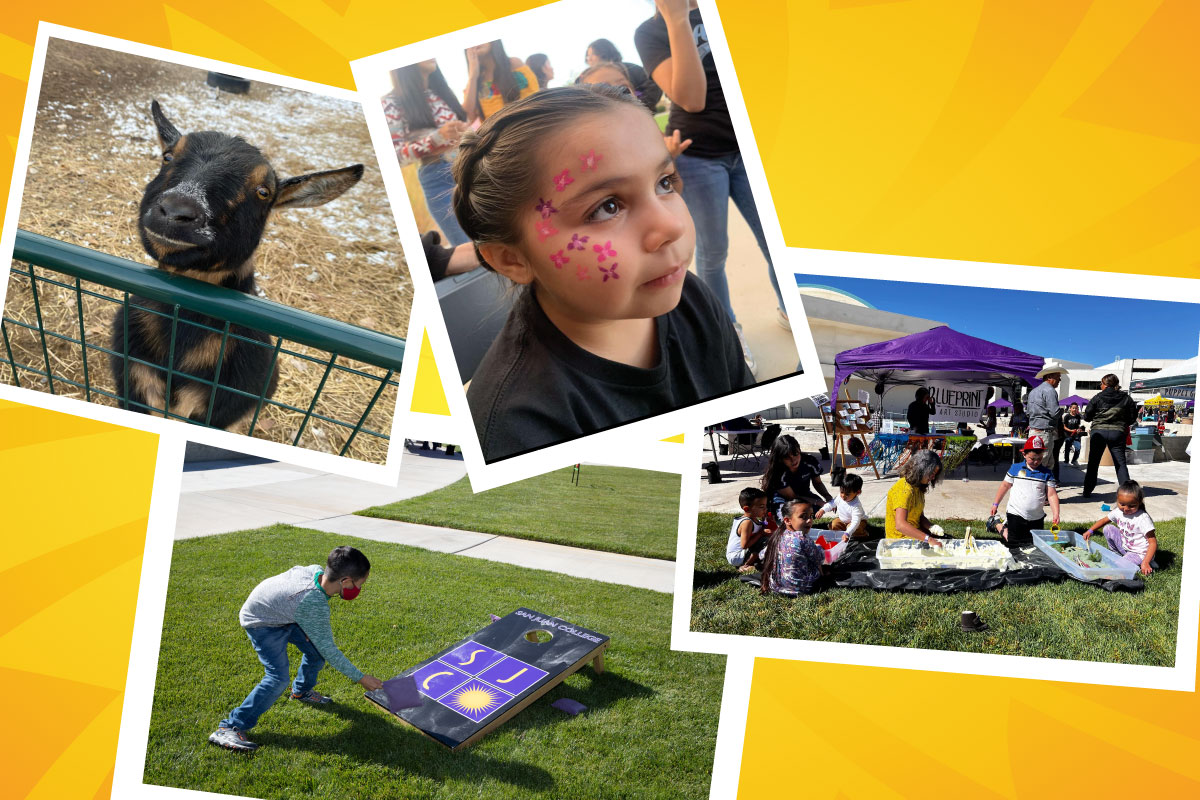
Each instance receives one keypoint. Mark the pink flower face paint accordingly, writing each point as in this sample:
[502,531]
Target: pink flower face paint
[604,251]
[611,272]
[590,160]
[581,272]
[562,180]
[545,229]
[545,208]
[577,242]
[558,259]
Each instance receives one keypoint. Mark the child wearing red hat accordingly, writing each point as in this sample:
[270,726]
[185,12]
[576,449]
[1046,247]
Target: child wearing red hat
[1033,487]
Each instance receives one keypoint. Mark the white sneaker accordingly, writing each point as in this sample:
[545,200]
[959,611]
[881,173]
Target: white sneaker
[782,319]
[746,354]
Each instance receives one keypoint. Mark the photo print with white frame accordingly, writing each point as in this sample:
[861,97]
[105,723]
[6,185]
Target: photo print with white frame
[1025,637]
[554,420]
[281,276]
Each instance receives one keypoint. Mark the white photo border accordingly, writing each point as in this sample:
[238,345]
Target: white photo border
[387,472]
[1180,677]
[603,445]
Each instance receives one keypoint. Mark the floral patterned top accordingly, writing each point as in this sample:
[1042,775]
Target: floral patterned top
[797,565]
[415,145]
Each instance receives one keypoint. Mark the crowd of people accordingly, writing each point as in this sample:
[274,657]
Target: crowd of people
[775,534]
[586,347]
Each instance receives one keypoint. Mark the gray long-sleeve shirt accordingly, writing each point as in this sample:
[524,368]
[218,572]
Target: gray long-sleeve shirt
[1041,406]
[296,596]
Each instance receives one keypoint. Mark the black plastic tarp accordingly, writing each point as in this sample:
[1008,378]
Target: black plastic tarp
[858,568]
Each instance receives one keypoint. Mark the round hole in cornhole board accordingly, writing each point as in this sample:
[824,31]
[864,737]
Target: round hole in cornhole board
[539,636]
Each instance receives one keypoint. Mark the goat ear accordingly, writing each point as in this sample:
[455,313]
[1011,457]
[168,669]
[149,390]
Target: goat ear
[316,188]
[168,134]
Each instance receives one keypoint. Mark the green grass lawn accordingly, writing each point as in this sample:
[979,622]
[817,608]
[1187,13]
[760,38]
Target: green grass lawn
[650,728]
[1052,620]
[620,510]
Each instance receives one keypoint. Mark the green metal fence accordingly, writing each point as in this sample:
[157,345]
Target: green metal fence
[71,360]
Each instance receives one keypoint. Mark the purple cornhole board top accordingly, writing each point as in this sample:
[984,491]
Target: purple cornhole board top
[499,682]
[472,657]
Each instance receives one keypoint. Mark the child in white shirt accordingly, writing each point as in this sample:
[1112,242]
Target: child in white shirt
[851,519]
[1128,529]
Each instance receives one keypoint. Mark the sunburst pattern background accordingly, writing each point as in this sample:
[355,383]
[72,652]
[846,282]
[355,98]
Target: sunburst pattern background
[1058,134]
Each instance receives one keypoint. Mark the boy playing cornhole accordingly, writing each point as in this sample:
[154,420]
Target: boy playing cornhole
[294,607]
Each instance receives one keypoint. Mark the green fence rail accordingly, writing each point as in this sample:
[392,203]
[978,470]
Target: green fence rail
[337,340]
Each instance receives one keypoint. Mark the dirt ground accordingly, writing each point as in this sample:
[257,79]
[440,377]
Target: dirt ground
[94,149]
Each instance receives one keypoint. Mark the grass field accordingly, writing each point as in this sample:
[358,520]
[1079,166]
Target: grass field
[1052,620]
[620,510]
[650,729]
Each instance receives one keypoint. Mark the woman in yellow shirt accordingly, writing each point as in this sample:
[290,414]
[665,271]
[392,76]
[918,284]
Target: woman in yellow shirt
[489,87]
[906,498]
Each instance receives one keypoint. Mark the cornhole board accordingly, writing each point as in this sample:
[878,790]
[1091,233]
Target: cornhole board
[479,683]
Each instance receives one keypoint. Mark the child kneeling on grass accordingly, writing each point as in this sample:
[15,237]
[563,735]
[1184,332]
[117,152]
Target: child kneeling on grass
[1032,488]
[748,535]
[294,607]
[1128,529]
[851,519]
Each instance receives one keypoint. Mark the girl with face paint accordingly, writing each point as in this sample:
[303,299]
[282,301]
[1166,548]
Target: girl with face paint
[572,195]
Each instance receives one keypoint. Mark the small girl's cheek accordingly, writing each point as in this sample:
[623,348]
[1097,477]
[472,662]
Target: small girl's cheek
[545,229]
[581,272]
[559,259]
[611,272]
[604,251]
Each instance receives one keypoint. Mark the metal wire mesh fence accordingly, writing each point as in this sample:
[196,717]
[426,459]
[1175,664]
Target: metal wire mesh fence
[56,337]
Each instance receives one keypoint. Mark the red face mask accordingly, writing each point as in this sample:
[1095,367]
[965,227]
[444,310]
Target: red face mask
[351,592]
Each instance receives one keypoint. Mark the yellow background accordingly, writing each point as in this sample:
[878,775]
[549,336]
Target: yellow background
[1062,134]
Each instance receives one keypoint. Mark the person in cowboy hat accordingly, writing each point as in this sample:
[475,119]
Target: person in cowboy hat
[1042,408]
[1033,487]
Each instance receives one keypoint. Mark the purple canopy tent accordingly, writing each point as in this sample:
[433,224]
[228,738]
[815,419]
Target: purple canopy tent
[1066,401]
[999,402]
[938,354]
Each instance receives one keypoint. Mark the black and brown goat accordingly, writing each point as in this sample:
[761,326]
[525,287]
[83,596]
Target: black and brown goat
[202,216]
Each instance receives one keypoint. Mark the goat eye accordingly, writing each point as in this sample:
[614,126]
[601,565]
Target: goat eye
[263,192]
[168,156]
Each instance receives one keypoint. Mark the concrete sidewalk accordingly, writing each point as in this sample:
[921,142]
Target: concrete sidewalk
[219,497]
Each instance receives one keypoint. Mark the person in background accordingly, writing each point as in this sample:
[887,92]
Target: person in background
[1042,407]
[919,411]
[1073,430]
[645,89]
[539,63]
[677,54]
[495,80]
[426,122]
[1111,413]
[793,563]
[1128,528]
[789,476]
[989,421]
[1019,421]
[615,74]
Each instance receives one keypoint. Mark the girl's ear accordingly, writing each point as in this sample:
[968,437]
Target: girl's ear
[509,261]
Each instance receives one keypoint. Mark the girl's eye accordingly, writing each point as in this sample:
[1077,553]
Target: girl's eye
[168,156]
[607,209]
[668,183]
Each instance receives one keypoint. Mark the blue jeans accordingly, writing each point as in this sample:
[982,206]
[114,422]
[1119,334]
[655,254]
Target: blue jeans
[1072,446]
[271,646]
[708,186]
[437,182]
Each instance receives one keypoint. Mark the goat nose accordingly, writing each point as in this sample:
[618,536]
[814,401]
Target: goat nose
[180,208]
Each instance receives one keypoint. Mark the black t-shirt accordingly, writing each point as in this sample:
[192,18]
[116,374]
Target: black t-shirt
[918,415]
[535,387]
[710,130]
[1072,421]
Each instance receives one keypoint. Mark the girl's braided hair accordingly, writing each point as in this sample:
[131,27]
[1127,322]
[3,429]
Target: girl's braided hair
[497,167]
